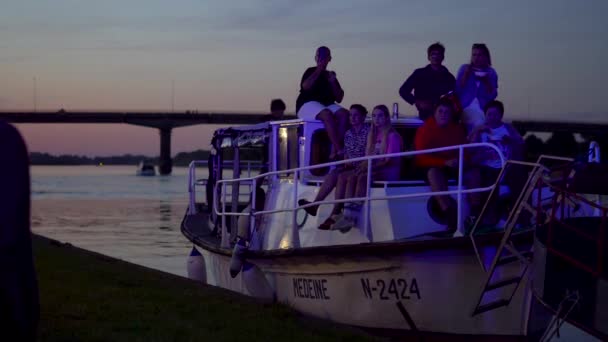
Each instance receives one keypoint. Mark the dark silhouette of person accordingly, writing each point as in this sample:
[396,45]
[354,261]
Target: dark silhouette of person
[19,303]
[320,93]
[534,147]
[562,144]
[277,110]
[429,83]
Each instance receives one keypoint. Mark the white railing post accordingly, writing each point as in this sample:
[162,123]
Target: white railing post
[225,241]
[192,188]
[295,232]
[459,229]
[594,157]
[367,216]
[252,210]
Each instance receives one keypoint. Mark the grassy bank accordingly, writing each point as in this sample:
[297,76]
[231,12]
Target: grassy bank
[89,297]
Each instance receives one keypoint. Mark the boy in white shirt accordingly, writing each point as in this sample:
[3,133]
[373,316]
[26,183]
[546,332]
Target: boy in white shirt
[510,143]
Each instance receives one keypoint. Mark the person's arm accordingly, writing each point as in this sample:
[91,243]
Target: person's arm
[490,82]
[463,75]
[406,89]
[336,88]
[393,145]
[476,133]
[310,77]
[450,83]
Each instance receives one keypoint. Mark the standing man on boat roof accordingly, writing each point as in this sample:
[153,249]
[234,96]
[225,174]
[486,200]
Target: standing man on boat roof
[428,83]
[320,93]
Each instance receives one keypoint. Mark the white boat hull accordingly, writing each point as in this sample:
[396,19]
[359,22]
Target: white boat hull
[431,291]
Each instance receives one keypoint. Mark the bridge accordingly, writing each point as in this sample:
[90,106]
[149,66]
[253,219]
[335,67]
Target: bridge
[165,122]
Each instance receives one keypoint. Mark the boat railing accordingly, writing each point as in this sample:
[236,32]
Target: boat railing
[367,199]
[194,181]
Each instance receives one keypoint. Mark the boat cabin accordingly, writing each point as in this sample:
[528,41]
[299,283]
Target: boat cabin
[289,151]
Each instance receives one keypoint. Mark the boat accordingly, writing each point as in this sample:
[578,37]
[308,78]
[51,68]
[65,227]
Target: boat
[391,271]
[145,169]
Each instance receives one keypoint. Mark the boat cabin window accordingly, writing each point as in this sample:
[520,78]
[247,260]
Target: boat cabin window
[320,148]
[287,148]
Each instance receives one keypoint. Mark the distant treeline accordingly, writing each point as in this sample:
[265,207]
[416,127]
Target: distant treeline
[564,144]
[559,144]
[181,159]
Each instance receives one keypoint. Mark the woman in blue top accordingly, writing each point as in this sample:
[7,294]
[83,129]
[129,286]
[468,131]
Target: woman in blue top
[476,86]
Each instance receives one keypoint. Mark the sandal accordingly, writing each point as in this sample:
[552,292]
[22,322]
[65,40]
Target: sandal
[312,210]
[327,224]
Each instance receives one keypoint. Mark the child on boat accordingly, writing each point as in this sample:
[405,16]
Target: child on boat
[428,83]
[476,86]
[355,142]
[320,93]
[510,143]
[382,139]
[441,130]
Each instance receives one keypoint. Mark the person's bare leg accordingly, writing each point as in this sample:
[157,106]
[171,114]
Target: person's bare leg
[342,117]
[341,189]
[331,127]
[351,186]
[438,182]
[329,182]
[361,185]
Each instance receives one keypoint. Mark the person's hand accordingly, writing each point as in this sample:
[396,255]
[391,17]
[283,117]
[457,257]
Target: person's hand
[362,168]
[483,128]
[322,63]
[453,163]
[468,69]
[474,136]
[332,77]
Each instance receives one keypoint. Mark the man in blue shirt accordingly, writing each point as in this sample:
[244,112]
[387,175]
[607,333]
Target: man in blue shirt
[428,83]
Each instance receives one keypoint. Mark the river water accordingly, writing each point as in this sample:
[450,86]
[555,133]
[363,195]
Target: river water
[110,210]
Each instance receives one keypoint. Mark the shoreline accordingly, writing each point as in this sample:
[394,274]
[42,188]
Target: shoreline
[86,295]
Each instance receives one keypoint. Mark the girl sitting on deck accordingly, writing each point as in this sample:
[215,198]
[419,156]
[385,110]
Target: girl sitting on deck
[382,139]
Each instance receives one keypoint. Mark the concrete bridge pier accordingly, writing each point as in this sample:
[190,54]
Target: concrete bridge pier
[165,164]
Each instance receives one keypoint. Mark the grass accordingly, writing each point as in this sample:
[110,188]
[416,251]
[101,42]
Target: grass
[85,296]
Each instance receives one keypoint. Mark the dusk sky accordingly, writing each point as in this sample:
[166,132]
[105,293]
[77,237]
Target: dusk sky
[550,56]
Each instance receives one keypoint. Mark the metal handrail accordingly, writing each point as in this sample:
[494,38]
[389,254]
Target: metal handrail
[459,192]
[193,182]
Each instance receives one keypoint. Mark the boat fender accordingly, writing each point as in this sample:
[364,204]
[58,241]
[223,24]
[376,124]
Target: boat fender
[237,259]
[256,283]
[196,266]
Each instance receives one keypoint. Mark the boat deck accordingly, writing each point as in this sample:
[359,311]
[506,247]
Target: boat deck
[198,229]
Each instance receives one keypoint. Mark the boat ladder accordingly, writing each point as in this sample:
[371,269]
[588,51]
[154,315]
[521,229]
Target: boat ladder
[539,175]
[563,311]
[514,253]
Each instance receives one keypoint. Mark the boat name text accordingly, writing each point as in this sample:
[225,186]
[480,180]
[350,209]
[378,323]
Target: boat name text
[310,288]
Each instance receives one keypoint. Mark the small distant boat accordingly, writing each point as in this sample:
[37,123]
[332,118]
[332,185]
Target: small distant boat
[145,169]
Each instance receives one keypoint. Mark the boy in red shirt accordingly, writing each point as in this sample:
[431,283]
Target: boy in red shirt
[440,130]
